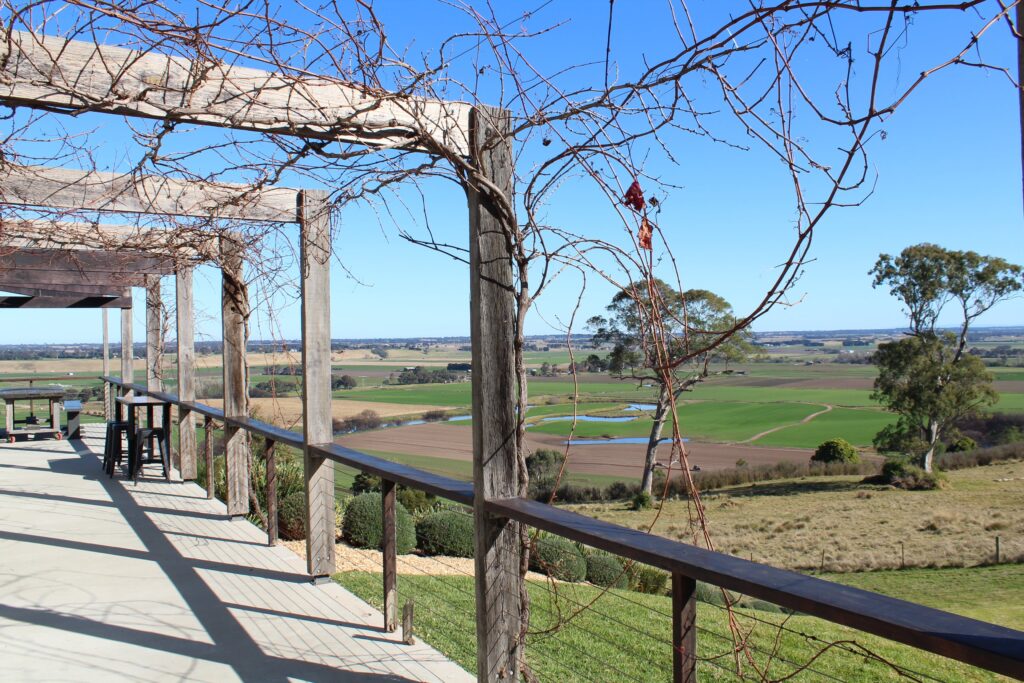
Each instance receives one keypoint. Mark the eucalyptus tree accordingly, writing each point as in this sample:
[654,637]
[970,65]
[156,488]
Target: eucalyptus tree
[927,378]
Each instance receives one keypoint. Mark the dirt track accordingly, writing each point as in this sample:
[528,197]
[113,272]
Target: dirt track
[623,460]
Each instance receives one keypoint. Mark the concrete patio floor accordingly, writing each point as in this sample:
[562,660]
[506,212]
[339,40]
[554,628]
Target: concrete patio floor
[102,580]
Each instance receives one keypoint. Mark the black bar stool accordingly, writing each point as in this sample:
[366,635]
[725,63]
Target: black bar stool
[112,451]
[147,435]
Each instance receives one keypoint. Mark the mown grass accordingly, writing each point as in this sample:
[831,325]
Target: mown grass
[856,425]
[704,420]
[994,594]
[625,636]
[840,524]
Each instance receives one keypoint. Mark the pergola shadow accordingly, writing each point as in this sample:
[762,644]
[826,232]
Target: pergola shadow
[231,644]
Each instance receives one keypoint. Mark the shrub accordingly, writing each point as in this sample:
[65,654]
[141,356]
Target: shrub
[291,516]
[642,501]
[836,450]
[620,490]
[415,500]
[435,416]
[363,526]
[962,444]
[365,483]
[899,472]
[646,579]
[558,557]
[446,533]
[544,463]
[606,570]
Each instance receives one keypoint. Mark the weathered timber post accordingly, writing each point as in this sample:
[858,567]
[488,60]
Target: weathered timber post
[271,493]
[107,416]
[684,629]
[390,555]
[127,349]
[208,455]
[495,470]
[186,373]
[315,264]
[154,333]
[235,314]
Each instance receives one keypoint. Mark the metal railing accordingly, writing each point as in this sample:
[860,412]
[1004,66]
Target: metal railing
[988,646]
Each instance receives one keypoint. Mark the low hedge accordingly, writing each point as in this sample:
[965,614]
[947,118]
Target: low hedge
[445,533]
[559,558]
[363,526]
[606,570]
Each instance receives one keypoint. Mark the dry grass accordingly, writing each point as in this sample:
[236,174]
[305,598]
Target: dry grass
[858,527]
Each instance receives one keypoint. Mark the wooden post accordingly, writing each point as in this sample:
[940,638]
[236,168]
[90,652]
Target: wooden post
[186,373]
[154,333]
[208,455]
[684,629]
[127,350]
[235,314]
[271,492]
[495,469]
[106,367]
[389,545]
[315,265]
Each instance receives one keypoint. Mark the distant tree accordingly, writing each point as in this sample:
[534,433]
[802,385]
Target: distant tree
[545,369]
[927,378]
[380,352]
[595,363]
[698,327]
[836,450]
[344,382]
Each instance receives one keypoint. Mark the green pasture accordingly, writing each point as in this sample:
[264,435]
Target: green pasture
[858,426]
[994,594]
[707,421]
[625,636]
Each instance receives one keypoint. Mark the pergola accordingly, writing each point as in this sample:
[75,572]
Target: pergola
[96,265]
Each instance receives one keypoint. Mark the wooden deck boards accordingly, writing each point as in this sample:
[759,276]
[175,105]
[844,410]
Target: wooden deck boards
[105,580]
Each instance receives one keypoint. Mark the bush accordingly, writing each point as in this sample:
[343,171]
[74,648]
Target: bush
[291,516]
[363,526]
[446,533]
[980,457]
[544,463]
[435,416]
[365,483]
[836,450]
[899,472]
[642,501]
[415,500]
[962,444]
[620,490]
[559,558]
[646,579]
[606,570]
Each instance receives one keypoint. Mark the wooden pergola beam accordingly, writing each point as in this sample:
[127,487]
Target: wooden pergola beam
[60,279]
[71,290]
[100,301]
[34,233]
[65,188]
[87,261]
[60,74]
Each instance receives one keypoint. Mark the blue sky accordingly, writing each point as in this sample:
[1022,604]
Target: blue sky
[948,172]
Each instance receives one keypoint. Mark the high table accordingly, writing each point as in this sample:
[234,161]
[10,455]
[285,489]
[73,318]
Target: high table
[53,394]
[132,404]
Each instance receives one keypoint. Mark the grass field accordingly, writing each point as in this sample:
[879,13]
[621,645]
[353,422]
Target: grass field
[840,524]
[856,425]
[625,636]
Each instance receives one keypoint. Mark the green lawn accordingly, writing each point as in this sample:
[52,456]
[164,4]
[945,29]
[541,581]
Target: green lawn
[858,426]
[994,594]
[705,420]
[624,636]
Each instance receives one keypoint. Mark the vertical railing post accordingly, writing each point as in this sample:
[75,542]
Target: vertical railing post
[235,314]
[315,266]
[107,415]
[389,548]
[271,460]
[154,333]
[495,463]
[127,348]
[684,629]
[208,454]
[186,372]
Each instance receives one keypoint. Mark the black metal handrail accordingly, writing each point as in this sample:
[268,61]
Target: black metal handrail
[981,644]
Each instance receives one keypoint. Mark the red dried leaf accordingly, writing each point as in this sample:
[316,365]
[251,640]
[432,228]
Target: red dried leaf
[646,231]
[634,198]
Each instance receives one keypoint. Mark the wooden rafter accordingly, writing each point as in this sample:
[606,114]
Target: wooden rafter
[64,188]
[86,261]
[52,72]
[64,301]
[182,243]
[73,279]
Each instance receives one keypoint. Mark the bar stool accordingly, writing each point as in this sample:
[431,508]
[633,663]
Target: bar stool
[145,435]
[112,452]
